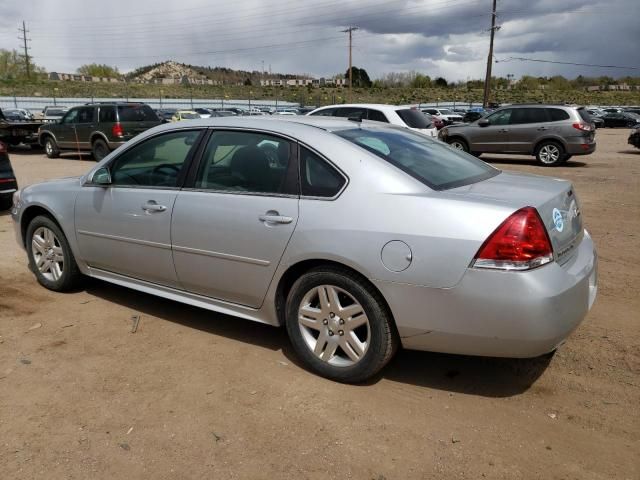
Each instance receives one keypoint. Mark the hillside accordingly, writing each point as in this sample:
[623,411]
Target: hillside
[172,69]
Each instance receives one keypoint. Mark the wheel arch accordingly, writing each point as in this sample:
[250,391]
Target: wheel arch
[98,135]
[295,271]
[32,212]
[43,136]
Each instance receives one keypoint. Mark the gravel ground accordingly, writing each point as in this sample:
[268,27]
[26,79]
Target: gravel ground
[193,394]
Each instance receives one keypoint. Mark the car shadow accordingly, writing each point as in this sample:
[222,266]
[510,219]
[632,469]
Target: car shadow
[528,161]
[5,213]
[482,376]
[630,152]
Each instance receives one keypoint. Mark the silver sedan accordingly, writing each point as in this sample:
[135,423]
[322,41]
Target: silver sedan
[358,237]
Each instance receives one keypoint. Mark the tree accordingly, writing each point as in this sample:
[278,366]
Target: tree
[421,81]
[12,65]
[441,82]
[247,82]
[99,70]
[360,77]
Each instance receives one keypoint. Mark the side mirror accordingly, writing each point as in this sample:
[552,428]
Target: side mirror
[101,177]
[483,122]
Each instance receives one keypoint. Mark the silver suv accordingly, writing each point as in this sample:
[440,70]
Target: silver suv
[552,133]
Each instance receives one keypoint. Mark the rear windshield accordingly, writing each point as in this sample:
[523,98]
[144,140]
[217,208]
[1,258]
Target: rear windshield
[584,114]
[136,113]
[414,118]
[431,162]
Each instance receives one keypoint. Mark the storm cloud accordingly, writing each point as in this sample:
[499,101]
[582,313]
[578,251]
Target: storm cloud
[440,38]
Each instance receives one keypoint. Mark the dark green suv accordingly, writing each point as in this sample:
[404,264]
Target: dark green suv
[96,127]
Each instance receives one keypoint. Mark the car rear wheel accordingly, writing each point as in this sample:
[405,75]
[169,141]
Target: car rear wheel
[550,154]
[100,149]
[51,148]
[50,256]
[458,144]
[339,326]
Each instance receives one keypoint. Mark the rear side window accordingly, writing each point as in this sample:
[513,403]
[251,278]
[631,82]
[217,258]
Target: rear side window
[527,115]
[377,115]
[433,163]
[555,114]
[317,177]
[136,113]
[414,118]
[107,114]
[350,112]
[327,112]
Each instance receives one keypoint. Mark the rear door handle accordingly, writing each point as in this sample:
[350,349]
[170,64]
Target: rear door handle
[275,218]
[503,130]
[543,128]
[152,206]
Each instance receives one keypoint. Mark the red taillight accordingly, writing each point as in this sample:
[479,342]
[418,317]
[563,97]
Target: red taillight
[521,242]
[7,180]
[117,130]
[585,127]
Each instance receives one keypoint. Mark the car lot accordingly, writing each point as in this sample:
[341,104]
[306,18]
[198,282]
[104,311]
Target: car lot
[193,394]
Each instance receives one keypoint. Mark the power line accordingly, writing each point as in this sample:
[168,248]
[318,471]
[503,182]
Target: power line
[524,59]
[26,47]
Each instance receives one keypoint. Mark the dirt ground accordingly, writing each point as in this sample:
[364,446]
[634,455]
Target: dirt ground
[193,394]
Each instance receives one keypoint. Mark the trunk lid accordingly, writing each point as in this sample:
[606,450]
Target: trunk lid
[555,200]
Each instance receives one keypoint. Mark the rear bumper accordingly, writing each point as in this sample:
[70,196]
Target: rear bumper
[498,313]
[580,146]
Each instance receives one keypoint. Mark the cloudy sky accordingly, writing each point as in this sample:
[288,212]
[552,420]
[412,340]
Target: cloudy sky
[437,37]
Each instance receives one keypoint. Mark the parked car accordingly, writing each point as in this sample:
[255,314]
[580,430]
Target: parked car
[551,133]
[634,136]
[165,114]
[446,115]
[620,119]
[96,127]
[17,115]
[203,112]
[223,113]
[8,182]
[184,115]
[404,116]
[14,132]
[53,114]
[313,223]
[635,110]
[472,116]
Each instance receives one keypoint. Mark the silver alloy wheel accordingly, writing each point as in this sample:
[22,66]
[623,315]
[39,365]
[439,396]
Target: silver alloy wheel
[47,253]
[457,145]
[549,154]
[48,146]
[334,325]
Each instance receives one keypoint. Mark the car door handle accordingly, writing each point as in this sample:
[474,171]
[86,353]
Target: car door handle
[503,130]
[274,218]
[153,207]
[542,129]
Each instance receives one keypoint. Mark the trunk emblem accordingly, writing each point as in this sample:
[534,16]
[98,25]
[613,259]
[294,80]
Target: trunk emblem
[557,219]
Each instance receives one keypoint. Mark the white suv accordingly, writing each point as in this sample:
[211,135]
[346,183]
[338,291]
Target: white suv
[447,116]
[404,116]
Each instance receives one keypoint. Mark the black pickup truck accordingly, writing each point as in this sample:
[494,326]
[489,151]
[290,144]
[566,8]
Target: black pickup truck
[14,133]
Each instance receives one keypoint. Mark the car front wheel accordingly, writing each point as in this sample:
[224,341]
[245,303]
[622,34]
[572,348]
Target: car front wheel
[458,144]
[50,257]
[339,325]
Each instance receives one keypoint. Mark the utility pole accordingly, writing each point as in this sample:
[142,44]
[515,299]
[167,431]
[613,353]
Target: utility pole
[26,48]
[350,31]
[487,78]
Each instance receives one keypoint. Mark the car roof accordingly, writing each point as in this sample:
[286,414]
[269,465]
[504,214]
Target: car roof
[379,106]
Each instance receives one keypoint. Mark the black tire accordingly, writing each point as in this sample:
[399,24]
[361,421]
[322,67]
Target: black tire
[70,274]
[383,339]
[5,203]
[51,147]
[476,154]
[550,154]
[458,143]
[100,149]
